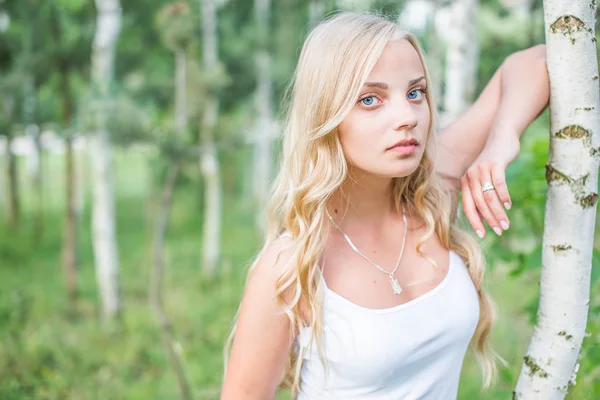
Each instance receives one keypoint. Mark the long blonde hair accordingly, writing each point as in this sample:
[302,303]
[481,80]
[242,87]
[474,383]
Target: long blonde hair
[334,63]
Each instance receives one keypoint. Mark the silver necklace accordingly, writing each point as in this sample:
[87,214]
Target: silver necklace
[393,281]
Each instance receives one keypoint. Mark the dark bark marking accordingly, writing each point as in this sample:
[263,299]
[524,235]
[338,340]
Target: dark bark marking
[589,201]
[561,247]
[567,24]
[534,368]
[572,132]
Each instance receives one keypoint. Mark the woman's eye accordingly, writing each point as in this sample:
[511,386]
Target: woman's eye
[368,101]
[416,94]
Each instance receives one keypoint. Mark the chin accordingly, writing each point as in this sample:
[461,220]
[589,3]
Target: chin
[403,171]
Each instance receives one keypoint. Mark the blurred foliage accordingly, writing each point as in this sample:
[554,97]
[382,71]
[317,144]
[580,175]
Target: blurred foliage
[48,350]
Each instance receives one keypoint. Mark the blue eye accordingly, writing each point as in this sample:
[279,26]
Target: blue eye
[416,93]
[368,101]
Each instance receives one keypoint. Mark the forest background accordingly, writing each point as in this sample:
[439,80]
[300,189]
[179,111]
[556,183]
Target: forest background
[59,336]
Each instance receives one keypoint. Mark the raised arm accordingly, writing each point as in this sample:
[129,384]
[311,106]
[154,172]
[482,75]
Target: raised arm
[517,93]
[262,339]
[484,140]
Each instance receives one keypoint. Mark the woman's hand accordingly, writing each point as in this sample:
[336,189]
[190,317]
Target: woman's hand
[490,166]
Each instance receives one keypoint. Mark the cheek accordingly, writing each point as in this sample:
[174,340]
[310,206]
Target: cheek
[357,135]
[425,117]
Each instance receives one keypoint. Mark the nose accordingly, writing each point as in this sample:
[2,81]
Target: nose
[405,117]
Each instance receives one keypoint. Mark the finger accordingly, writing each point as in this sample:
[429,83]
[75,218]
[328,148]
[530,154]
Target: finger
[499,179]
[476,178]
[471,212]
[494,203]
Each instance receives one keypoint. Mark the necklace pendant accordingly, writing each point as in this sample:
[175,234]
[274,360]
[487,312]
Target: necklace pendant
[395,285]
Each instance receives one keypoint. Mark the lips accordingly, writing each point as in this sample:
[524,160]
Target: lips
[411,142]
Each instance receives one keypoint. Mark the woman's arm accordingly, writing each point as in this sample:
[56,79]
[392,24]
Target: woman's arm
[484,140]
[517,93]
[262,339]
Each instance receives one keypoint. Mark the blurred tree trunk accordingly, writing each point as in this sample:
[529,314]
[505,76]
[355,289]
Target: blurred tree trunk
[103,218]
[180,91]
[14,203]
[316,12]
[69,252]
[32,132]
[266,127]
[462,58]
[354,5]
[38,184]
[551,365]
[419,17]
[164,323]
[209,158]
[171,16]
[522,10]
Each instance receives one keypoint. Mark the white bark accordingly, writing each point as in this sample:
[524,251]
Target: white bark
[81,178]
[209,162]
[103,212]
[265,132]
[462,57]
[521,8]
[572,173]
[180,91]
[419,17]
[212,209]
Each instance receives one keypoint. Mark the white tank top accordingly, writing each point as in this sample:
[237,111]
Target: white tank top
[408,352]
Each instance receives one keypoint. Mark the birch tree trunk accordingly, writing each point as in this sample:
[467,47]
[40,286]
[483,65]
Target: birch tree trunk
[419,17]
[209,159]
[572,173]
[265,132]
[180,90]
[12,187]
[70,229]
[69,250]
[14,203]
[462,57]
[521,8]
[156,301]
[103,212]
[32,133]
[37,182]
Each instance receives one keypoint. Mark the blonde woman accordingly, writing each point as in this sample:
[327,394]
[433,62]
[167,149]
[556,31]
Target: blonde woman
[366,288]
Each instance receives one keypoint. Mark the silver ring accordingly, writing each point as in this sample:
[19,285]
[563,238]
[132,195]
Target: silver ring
[487,186]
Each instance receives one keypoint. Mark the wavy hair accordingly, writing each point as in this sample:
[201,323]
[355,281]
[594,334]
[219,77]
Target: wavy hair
[334,63]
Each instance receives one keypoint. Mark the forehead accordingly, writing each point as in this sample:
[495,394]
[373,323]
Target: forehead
[399,60]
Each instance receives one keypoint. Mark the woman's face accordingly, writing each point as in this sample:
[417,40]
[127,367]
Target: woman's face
[392,107]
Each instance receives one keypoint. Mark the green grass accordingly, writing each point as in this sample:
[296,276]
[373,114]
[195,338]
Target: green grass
[48,351]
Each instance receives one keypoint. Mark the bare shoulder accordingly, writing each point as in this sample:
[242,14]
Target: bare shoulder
[263,339]
[272,260]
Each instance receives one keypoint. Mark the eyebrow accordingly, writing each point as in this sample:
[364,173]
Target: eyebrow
[385,86]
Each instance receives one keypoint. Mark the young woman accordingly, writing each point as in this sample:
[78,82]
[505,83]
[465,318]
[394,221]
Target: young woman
[366,288]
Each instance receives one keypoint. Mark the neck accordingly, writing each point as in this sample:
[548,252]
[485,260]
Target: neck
[364,204]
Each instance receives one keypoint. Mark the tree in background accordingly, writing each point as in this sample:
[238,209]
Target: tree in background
[209,157]
[176,25]
[103,218]
[66,51]
[11,78]
[462,57]
[316,11]
[266,129]
[551,362]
